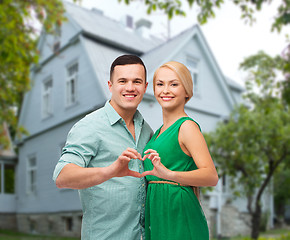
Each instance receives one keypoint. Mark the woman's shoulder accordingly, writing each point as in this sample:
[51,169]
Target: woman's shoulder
[189,124]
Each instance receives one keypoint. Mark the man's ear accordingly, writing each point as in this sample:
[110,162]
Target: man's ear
[110,85]
[146,85]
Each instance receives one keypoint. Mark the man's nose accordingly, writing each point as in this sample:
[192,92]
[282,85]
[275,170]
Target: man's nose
[130,86]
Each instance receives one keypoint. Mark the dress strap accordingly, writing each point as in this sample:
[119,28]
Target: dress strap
[183,119]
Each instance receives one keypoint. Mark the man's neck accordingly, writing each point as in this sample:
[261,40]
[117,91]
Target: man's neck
[126,114]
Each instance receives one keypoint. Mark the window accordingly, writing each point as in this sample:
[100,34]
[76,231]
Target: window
[68,224]
[47,98]
[32,226]
[9,174]
[7,177]
[71,81]
[192,65]
[31,175]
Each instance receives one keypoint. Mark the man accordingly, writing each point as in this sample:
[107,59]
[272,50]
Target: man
[102,158]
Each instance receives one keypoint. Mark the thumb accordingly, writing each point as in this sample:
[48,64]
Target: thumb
[134,174]
[147,173]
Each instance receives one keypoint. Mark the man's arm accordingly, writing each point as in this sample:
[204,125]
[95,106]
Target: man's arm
[76,177]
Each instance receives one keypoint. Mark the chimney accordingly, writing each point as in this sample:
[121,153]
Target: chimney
[97,11]
[143,27]
[127,21]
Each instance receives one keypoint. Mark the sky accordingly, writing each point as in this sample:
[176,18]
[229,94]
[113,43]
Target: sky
[230,39]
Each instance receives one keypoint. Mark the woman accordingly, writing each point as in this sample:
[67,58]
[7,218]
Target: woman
[176,158]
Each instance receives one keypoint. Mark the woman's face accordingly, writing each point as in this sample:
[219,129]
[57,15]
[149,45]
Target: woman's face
[169,90]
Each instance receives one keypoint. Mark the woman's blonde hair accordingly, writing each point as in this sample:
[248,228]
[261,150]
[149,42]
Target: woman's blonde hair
[183,74]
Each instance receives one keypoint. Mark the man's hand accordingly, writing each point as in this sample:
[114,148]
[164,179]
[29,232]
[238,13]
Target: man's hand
[120,167]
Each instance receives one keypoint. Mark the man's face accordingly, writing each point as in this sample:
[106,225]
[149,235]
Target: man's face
[127,86]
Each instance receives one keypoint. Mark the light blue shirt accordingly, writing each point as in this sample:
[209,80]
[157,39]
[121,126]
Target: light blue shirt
[115,208]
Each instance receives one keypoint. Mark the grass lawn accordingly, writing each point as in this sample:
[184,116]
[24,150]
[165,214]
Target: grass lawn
[276,233]
[271,235]
[11,235]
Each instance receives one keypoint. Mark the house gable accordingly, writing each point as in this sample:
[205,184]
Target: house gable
[191,43]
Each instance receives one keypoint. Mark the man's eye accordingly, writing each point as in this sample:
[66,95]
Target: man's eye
[159,84]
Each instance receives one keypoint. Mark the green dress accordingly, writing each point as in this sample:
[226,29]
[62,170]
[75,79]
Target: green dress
[172,212]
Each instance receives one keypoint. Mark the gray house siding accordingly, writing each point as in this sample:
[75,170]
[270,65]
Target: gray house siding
[88,91]
[47,198]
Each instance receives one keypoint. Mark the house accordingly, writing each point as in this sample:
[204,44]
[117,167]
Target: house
[71,81]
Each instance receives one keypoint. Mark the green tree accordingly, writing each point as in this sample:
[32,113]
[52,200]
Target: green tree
[18,52]
[207,9]
[256,138]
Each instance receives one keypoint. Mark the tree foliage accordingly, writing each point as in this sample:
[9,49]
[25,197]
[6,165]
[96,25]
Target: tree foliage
[18,51]
[282,191]
[255,141]
[207,9]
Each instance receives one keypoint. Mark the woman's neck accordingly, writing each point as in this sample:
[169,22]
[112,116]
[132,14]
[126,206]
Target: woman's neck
[170,117]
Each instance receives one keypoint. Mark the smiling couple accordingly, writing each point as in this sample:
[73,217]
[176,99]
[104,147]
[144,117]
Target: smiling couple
[102,158]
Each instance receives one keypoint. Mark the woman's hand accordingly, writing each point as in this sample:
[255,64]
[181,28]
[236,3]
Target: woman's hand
[159,169]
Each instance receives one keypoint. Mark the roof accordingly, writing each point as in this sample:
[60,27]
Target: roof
[95,25]
[234,85]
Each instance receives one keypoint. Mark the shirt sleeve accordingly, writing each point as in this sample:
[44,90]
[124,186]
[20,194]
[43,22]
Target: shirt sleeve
[81,146]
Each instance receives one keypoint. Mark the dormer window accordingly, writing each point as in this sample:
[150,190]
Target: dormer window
[47,98]
[192,65]
[71,84]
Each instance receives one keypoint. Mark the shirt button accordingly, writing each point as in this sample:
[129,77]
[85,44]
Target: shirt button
[143,205]
[140,166]
[143,185]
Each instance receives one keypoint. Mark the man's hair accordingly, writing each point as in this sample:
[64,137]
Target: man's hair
[126,60]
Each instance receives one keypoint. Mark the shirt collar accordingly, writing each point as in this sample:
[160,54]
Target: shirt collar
[115,117]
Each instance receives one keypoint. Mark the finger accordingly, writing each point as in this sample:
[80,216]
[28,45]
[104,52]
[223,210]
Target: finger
[150,151]
[140,157]
[155,162]
[134,174]
[124,158]
[135,152]
[156,159]
[150,156]
[145,156]
[147,173]
[130,154]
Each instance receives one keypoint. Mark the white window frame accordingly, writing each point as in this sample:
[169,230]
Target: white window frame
[31,171]
[71,84]
[192,65]
[47,110]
